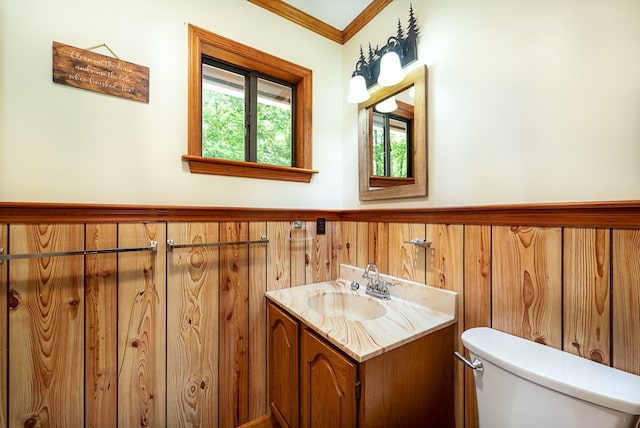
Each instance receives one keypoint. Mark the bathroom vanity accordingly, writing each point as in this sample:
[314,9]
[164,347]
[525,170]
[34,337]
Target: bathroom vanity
[338,357]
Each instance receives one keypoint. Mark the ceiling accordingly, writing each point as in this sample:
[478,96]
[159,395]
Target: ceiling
[338,20]
[337,13]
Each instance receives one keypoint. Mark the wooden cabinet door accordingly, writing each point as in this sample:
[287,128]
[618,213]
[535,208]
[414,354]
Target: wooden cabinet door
[328,385]
[283,367]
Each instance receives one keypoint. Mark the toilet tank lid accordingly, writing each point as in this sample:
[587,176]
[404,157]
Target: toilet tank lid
[561,371]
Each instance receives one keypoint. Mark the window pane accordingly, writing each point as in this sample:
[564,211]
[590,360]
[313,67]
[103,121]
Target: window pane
[390,145]
[223,115]
[398,133]
[378,157]
[274,145]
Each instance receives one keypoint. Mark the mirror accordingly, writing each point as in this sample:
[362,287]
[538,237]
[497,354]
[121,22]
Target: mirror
[392,140]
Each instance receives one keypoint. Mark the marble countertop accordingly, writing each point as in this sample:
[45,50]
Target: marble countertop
[413,311]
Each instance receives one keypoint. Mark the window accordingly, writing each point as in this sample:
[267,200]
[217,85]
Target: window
[228,129]
[249,112]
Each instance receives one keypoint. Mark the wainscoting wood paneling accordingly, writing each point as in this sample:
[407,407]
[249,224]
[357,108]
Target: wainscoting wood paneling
[378,244]
[587,284]
[476,301]
[278,255]
[142,333]
[318,256]
[626,300]
[101,315]
[4,324]
[46,328]
[258,402]
[477,276]
[407,260]
[234,325]
[362,244]
[527,283]
[299,257]
[346,236]
[445,269]
[178,338]
[337,249]
[192,326]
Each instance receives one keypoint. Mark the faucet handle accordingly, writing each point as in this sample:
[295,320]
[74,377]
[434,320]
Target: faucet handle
[384,286]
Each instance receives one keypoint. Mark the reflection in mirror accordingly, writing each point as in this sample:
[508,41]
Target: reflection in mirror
[392,142]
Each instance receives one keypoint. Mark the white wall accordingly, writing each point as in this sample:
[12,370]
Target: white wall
[530,101]
[60,144]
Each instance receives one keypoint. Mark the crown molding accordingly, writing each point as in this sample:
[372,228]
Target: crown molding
[309,22]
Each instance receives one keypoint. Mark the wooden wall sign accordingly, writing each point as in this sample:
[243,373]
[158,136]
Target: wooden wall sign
[88,70]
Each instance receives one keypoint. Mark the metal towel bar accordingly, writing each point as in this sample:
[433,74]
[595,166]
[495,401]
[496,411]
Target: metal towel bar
[171,246]
[153,248]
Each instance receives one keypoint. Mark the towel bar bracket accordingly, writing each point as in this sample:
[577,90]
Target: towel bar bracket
[423,243]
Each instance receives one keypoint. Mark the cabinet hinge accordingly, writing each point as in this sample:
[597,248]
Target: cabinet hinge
[357,390]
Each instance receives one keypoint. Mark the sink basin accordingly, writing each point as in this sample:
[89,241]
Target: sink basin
[347,306]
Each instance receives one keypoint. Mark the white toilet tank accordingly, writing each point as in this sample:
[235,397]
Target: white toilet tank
[524,384]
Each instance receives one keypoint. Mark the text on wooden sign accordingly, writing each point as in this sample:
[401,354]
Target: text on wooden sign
[88,70]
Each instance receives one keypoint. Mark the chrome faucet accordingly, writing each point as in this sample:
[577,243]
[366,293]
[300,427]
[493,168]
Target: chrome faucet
[375,287]
[365,275]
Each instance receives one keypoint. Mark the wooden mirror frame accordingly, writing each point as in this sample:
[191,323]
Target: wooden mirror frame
[418,79]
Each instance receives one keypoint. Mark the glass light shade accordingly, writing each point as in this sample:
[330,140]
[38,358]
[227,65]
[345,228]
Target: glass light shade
[391,71]
[357,90]
[387,106]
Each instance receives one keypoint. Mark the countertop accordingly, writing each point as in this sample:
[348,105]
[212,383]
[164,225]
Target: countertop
[413,311]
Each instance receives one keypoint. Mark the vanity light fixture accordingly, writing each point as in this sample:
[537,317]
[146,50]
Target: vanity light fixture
[391,71]
[358,84]
[384,66]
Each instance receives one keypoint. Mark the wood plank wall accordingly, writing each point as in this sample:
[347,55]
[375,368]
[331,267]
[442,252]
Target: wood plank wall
[178,338]
[4,331]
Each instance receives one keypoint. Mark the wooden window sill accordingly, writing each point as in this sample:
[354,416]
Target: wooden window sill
[202,165]
[380,181]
